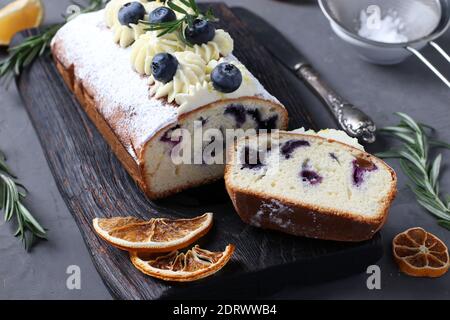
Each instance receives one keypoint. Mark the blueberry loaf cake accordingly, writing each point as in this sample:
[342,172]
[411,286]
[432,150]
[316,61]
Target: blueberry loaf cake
[310,185]
[138,85]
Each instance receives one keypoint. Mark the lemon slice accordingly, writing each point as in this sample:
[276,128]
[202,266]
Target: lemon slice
[193,265]
[154,235]
[419,253]
[17,16]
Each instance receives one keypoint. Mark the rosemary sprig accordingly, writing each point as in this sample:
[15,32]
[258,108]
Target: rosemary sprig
[24,54]
[190,11]
[416,163]
[12,194]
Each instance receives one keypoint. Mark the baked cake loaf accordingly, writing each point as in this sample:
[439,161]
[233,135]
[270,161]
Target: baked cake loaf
[106,62]
[310,186]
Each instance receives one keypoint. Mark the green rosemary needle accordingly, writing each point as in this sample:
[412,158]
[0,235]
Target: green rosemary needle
[416,163]
[12,194]
[189,11]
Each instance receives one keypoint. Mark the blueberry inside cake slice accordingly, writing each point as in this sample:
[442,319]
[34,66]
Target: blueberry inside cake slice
[311,186]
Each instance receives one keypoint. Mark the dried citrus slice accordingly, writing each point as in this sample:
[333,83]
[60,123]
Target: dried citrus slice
[420,254]
[154,235]
[17,16]
[195,264]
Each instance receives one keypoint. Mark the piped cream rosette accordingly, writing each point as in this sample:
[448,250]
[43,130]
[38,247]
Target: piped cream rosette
[122,34]
[220,46]
[149,44]
[191,70]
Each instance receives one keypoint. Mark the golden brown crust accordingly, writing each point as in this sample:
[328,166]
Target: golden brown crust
[134,164]
[88,104]
[305,220]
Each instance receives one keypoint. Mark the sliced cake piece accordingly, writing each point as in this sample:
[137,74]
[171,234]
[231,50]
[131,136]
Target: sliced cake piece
[309,186]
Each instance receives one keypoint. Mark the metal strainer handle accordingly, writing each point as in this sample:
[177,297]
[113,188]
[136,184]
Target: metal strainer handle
[429,64]
[440,50]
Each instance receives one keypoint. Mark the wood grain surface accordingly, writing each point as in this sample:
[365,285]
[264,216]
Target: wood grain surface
[94,184]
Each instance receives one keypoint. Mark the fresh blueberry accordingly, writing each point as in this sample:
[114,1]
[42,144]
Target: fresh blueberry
[360,168]
[164,67]
[131,12]
[200,32]
[289,147]
[226,77]
[162,14]
[238,112]
[310,177]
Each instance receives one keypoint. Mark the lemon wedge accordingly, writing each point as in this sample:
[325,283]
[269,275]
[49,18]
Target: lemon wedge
[17,16]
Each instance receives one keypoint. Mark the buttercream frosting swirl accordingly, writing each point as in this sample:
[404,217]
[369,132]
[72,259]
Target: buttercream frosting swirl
[221,45]
[191,71]
[148,45]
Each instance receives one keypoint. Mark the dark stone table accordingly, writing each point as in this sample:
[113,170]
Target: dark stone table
[380,91]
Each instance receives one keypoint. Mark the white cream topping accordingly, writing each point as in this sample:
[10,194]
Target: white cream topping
[126,35]
[182,6]
[191,87]
[149,44]
[333,134]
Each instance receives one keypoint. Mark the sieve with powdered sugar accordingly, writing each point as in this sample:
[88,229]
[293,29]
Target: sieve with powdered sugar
[388,31]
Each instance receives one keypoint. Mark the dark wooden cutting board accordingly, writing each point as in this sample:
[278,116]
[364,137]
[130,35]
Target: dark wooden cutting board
[93,183]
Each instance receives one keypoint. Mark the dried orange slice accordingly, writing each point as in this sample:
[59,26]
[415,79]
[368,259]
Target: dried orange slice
[195,264]
[154,235]
[17,16]
[420,254]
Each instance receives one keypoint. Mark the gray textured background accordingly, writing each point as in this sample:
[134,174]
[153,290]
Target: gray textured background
[380,91]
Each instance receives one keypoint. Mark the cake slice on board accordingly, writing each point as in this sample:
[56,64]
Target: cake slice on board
[309,186]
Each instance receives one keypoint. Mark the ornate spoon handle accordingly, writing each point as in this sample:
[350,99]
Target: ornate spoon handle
[351,119]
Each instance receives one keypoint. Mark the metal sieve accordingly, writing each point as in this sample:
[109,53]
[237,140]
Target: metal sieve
[423,21]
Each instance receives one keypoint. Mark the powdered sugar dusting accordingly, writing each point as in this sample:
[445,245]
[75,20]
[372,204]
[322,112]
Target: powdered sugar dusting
[121,94]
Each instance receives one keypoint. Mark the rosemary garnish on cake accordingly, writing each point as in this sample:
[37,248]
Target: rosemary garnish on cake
[193,27]
[22,55]
[417,164]
[12,194]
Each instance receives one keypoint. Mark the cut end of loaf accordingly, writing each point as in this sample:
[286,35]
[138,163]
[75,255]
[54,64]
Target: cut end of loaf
[163,176]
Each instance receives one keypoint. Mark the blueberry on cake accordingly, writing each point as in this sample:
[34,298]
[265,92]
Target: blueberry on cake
[139,85]
[310,185]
